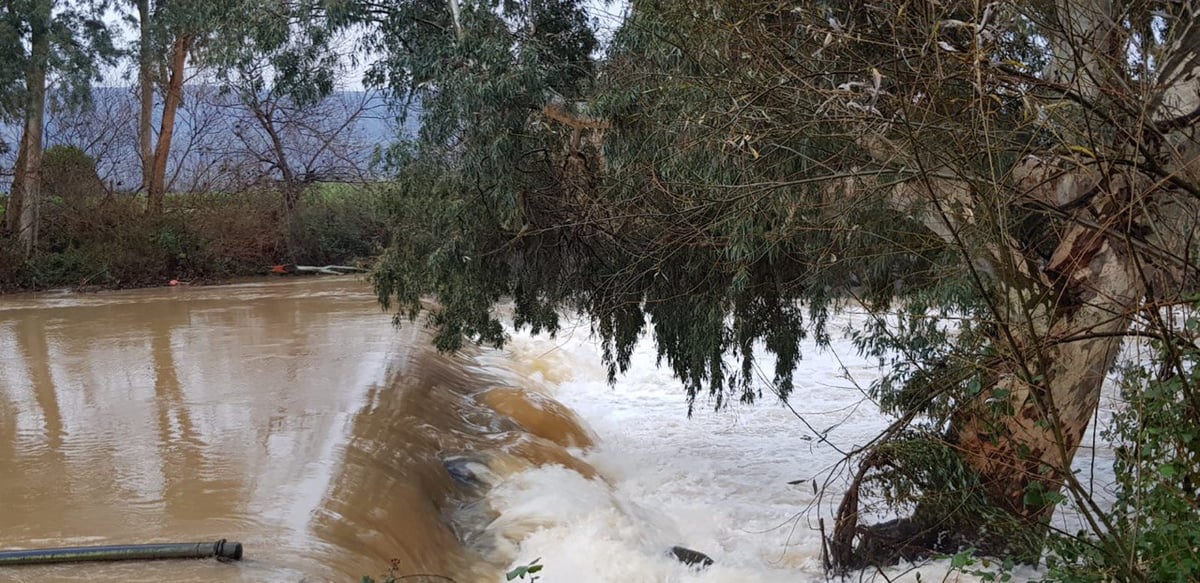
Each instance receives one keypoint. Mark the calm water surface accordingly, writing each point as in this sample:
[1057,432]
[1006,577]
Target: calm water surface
[289,415]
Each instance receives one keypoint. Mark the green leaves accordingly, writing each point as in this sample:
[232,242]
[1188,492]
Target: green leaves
[966,562]
[80,44]
[530,569]
[1037,496]
[714,208]
[1153,528]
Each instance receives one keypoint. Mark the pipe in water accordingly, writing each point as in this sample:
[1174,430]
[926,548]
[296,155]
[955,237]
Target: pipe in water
[221,549]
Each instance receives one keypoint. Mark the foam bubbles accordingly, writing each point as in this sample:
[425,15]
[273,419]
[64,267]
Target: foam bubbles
[717,483]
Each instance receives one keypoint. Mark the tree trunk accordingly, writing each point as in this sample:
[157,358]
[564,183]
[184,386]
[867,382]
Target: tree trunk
[1021,435]
[156,190]
[455,15]
[1060,351]
[145,95]
[1060,331]
[12,215]
[31,139]
[1060,326]
[292,189]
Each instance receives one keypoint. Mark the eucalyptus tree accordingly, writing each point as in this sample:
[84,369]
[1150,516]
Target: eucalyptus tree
[169,32]
[179,40]
[50,43]
[480,72]
[1009,188]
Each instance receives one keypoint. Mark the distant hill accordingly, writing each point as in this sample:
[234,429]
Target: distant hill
[217,141]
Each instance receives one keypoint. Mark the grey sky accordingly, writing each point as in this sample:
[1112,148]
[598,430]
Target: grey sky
[608,15]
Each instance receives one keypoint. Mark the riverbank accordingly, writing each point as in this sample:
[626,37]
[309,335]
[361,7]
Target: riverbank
[109,242]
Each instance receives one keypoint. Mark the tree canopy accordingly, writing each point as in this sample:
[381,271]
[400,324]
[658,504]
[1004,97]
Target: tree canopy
[80,44]
[1009,189]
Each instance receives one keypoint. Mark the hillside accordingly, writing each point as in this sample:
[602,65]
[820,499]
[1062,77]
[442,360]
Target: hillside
[218,144]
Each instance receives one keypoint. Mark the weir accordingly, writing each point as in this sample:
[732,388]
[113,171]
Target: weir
[291,415]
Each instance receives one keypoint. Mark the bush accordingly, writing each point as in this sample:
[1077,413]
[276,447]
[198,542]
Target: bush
[217,235]
[70,173]
[111,242]
[340,223]
[1153,529]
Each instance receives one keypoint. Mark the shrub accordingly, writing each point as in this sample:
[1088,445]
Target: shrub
[338,224]
[69,173]
[1153,529]
[111,242]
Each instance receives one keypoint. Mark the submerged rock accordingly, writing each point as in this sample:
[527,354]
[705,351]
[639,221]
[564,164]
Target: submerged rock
[538,415]
[691,558]
[467,471]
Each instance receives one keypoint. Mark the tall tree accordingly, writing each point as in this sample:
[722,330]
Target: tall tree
[743,168]
[27,177]
[168,33]
[146,60]
[177,38]
[176,69]
[61,43]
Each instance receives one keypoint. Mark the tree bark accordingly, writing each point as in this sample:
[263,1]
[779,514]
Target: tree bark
[12,215]
[145,95]
[1060,326]
[156,190]
[1022,435]
[1059,331]
[455,15]
[31,138]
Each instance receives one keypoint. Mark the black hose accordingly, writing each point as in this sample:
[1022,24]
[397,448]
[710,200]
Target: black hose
[220,549]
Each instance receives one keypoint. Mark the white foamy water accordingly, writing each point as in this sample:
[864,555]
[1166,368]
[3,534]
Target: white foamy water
[718,483]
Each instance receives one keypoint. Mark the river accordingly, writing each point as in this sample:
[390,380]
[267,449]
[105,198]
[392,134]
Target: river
[292,416]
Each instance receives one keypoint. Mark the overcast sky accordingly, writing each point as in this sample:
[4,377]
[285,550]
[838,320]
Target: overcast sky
[607,15]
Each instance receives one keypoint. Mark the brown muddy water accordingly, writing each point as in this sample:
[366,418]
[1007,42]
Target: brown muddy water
[289,415]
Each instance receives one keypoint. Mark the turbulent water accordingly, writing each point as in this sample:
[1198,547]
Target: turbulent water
[293,417]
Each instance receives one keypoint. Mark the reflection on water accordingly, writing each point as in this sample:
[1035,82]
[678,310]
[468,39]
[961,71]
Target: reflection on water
[290,416]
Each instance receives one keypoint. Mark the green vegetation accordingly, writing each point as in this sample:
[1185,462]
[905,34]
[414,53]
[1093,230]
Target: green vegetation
[69,173]
[1006,194]
[1156,434]
[530,569]
[1009,190]
[107,241]
[63,228]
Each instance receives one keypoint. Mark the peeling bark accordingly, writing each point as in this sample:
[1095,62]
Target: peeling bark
[27,213]
[1028,426]
[174,97]
[1061,318]
[145,95]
